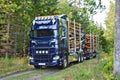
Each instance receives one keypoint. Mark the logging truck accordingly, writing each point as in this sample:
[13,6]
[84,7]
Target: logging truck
[56,41]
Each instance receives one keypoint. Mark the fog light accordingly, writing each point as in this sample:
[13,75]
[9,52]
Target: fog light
[43,51]
[36,52]
[40,52]
[46,52]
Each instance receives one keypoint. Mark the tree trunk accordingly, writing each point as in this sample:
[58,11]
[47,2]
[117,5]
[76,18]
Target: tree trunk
[117,39]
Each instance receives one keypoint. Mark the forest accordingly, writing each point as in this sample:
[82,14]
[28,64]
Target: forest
[16,18]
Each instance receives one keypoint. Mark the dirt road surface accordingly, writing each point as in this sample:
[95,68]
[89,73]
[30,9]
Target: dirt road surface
[40,76]
[37,77]
[16,74]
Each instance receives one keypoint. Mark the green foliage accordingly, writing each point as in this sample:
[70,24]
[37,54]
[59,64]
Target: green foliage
[12,65]
[20,13]
[107,60]
[109,33]
[118,77]
[85,71]
[44,7]
[106,65]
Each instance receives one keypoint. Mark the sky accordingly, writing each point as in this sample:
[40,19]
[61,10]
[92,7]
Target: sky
[101,16]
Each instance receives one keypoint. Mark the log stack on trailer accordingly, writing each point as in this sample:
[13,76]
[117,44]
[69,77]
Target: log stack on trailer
[90,45]
[95,45]
[74,36]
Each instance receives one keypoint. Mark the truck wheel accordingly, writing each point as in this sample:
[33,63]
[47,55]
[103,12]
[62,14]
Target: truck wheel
[81,58]
[37,67]
[94,55]
[65,63]
[91,55]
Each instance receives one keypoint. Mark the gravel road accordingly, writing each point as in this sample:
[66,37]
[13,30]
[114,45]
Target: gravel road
[37,77]
[40,76]
[16,74]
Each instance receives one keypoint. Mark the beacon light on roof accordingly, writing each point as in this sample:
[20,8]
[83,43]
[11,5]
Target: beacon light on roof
[44,17]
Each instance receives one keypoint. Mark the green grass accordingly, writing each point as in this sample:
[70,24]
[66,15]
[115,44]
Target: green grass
[12,65]
[88,70]
[24,76]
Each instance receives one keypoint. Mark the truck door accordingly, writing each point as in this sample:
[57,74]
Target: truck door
[62,39]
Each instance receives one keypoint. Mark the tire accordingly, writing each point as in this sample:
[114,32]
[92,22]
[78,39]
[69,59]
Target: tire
[94,55]
[37,67]
[81,57]
[88,56]
[91,55]
[65,63]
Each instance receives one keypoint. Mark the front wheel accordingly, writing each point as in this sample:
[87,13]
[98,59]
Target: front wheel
[65,62]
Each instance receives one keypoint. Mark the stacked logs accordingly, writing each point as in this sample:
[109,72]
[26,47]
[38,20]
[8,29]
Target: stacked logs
[72,40]
[90,44]
[95,42]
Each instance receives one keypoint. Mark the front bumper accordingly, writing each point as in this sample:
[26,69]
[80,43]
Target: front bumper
[53,63]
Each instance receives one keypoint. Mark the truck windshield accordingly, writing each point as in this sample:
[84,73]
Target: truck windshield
[42,33]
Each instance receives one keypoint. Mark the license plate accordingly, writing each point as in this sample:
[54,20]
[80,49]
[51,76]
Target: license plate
[41,64]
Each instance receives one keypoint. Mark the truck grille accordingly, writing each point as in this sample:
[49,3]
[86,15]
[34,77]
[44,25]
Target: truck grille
[42,58]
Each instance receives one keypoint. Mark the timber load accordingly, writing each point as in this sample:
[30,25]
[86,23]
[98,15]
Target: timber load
[74,32]
[90,43]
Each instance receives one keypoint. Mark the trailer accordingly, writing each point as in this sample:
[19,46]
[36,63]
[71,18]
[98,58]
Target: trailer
[55,41]
[90,46]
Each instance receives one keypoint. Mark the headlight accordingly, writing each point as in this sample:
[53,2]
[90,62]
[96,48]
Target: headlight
[52,43]
[31,59]
[56,58]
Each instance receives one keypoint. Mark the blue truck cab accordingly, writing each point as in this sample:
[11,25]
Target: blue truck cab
[49,41]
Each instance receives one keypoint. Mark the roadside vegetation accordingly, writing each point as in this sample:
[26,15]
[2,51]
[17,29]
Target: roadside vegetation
[93,69]
[12,65]
[99,68]
[88,70]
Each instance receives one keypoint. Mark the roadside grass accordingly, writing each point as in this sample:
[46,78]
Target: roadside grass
[12,65]
[25,76]
[88,70]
